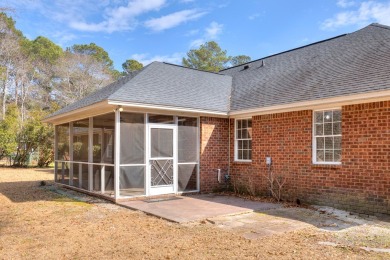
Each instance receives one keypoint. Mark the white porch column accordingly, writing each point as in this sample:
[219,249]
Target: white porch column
[90,154]
[117,153]
[71,153]
[103,168]
[55,152]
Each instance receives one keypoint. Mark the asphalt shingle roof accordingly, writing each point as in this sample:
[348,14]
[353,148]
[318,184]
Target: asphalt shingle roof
[348,64]
[172,85]
[165,85]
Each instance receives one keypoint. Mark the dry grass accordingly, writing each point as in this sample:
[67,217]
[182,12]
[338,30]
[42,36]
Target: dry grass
[36,223]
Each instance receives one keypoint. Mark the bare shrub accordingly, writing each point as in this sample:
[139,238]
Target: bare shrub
[241,186]
[251,187]
[276,181]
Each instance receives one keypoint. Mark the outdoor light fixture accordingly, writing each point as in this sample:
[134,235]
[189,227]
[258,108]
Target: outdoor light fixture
[119,108]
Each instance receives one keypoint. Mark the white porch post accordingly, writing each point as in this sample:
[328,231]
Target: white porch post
[175,155]
[102,179]
[90,154]
[117,154]
[55,152]
[71,153]
[147,157]
[198,154]
[103,169]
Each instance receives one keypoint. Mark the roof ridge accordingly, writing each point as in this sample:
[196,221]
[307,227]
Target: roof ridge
[380,26]
[133,76]
[290,50]
[180,66]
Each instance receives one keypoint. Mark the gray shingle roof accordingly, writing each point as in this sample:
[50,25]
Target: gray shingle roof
[349,64]
[165,85]
[172,85]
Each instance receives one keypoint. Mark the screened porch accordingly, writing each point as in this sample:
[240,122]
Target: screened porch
[125,154]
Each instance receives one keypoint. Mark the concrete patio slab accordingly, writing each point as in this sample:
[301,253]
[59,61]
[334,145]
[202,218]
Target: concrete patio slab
[182,209]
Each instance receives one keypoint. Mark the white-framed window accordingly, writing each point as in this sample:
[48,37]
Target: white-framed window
[243,140]
[327,136]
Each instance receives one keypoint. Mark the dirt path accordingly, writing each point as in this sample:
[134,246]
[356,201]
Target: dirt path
[37,223]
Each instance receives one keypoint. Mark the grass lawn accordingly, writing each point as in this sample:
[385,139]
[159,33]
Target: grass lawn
[37,223]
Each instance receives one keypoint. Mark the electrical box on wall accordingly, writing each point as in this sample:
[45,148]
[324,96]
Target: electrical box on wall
[268,160]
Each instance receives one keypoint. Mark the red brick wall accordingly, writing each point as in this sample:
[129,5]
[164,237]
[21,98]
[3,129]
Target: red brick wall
[214,147]
[361,184]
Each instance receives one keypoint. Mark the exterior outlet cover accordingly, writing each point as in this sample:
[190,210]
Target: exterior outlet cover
[268,160]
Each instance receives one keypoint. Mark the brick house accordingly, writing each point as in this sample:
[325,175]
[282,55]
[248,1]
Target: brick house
[319,114]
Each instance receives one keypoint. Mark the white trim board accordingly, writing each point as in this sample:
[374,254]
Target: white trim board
[107,106]
[169,108]
[315,104]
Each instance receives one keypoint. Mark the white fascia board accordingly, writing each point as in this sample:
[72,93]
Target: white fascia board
[84,112]
[316,104]
[168,108]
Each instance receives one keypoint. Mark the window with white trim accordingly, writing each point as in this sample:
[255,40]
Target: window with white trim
[327,136]
[243,140]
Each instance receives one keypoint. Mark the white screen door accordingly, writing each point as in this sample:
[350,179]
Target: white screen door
[162,159]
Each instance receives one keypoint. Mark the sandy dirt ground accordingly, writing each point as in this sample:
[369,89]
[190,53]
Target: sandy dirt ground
[39,223]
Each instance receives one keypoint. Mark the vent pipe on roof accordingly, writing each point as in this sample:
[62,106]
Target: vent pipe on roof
[262,63]
[246,67]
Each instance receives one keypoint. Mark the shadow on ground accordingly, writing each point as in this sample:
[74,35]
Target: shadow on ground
[46,170]
[25,191]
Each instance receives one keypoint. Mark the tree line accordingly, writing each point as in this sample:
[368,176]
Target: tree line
[38,77]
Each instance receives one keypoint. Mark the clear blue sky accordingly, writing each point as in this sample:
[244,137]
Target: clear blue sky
[165,30]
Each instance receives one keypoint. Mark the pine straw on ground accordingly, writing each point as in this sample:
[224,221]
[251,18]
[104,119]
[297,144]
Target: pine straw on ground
[36,223]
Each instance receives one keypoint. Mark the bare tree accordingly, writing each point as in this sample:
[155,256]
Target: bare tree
[9,48]
[78,75]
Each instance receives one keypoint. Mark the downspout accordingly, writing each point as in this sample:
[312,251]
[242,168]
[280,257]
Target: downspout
[229,141]
[228,169]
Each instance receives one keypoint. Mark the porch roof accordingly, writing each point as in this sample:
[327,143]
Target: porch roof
[163,84]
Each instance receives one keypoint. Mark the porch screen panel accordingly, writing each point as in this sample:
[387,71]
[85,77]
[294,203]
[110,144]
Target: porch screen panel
[62,133]
[84,176]
[103,138]
[80,140]
[132,148]
[76,174]
[161,142]
[58,169]
[132,180]
[109,180]
[96,177]
[188,153]
[187,177]
[187,139]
